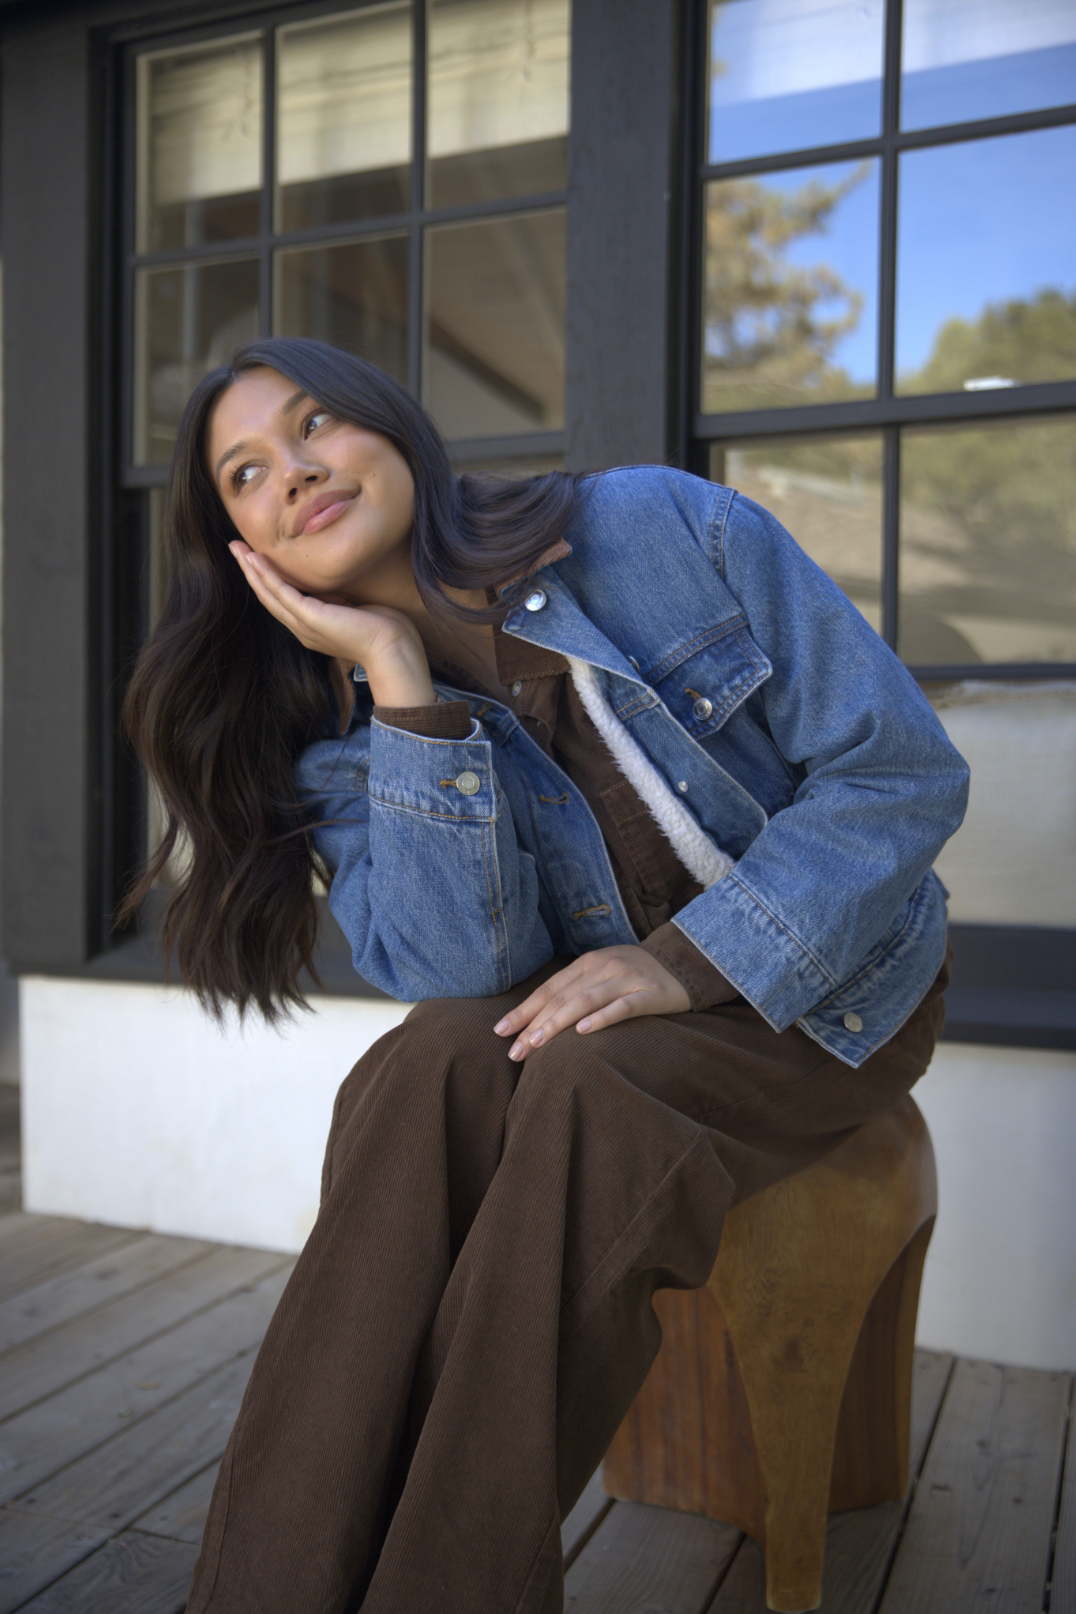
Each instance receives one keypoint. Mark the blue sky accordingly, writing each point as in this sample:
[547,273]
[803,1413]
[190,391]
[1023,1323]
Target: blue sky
[979,222]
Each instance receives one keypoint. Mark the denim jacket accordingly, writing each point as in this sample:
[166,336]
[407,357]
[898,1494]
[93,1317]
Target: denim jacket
[779,717]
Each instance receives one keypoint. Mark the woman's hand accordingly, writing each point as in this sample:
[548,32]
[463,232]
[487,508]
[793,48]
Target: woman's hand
[611,984]
[382,640]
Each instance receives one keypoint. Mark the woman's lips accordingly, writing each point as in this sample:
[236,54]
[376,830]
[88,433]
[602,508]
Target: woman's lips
[322,518]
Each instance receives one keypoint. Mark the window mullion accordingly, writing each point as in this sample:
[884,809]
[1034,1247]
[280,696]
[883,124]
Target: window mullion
[268,221]
[890,534]
[416,263]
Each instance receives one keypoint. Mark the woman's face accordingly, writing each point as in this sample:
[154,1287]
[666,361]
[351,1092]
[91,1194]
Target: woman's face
[331,505]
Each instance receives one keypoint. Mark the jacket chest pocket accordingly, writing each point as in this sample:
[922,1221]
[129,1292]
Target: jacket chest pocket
[702,683]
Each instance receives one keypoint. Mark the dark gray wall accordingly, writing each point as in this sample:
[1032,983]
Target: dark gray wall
[622,191]
[49,740]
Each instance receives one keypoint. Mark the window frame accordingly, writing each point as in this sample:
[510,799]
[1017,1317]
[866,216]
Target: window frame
[888,412]
[75,597]
[412,221]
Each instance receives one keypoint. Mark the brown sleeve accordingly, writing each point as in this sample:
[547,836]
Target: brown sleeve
[703,982]
[447,720]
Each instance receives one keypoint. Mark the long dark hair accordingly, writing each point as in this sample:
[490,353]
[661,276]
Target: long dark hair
[223,698]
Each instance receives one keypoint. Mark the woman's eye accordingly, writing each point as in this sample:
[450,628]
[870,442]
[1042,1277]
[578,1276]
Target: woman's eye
[242,476]
[312,422]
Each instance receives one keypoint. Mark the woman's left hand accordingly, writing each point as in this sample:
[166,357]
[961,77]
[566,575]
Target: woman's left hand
[596,990]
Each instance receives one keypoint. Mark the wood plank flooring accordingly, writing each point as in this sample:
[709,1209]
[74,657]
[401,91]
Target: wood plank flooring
[123,1359]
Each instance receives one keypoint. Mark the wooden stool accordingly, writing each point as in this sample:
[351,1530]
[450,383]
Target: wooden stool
[783,1388]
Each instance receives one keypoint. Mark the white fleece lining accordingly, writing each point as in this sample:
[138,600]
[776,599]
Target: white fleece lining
[704,861]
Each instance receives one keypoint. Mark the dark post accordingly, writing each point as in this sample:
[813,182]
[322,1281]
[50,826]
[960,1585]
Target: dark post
[621,198]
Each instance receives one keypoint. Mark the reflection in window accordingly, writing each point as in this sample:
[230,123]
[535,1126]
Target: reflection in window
[1013,859]
[988,543]
[827,491]
[498,99]
[790,287]
[493,358]
[986,269]
[353,295]
[188,319]
[344,140]
[199,122]
[967,59]
[791,73]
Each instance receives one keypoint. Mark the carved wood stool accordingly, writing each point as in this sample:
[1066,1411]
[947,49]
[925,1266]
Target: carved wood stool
[782,1390]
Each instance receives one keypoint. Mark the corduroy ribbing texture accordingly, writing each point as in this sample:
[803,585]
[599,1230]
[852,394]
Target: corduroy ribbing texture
[470,1319]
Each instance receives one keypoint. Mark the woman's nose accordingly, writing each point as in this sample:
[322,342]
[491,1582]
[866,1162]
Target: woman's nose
[300,477]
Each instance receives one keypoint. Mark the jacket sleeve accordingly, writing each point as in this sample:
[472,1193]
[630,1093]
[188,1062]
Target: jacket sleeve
[881,789]
[429,884]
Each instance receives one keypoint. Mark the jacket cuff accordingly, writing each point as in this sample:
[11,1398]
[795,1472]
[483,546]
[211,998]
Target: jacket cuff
[702,981]
[446,720]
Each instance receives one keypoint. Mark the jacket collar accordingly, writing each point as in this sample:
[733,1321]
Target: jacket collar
[559,624]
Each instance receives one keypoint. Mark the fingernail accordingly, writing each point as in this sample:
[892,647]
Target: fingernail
[584,1025]
[516,1051]
[536,1038]
[501,1028]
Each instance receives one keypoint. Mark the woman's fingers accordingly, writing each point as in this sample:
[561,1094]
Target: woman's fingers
[597,990]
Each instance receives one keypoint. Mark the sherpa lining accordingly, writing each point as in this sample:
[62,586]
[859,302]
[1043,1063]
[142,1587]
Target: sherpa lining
[696,851]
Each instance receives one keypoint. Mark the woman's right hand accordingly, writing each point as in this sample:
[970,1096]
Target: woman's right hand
[382,640]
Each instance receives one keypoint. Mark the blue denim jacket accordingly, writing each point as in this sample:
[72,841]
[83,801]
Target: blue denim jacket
[818,766]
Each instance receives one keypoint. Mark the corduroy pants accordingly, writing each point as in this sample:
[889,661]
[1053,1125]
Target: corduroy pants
[470,1318]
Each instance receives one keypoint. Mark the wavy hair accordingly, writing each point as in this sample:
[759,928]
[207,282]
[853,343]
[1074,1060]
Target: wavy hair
[223,698]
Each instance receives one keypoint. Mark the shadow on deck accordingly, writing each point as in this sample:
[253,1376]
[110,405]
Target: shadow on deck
[123,1358]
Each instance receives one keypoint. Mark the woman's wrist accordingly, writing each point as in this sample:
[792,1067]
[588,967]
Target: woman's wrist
[402,676]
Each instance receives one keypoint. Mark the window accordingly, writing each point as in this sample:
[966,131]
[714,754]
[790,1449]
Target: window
[887,309]
[390,179]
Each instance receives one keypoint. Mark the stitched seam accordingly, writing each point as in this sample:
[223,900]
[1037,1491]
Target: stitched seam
[500,940]
[783,928]
[682,653]
[720,561]
[868,968]
[427,812]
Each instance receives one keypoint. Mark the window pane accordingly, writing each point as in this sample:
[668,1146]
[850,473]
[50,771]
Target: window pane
[1013,860]
[791,288]
[498,99]
[493,356]
[827,491]
[988,544]
[968,59]
[791,73]
[187,320]
[199,144]
[344,130]
[353,295]
[986,265]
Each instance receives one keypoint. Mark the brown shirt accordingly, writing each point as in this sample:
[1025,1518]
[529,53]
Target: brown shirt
[653,883]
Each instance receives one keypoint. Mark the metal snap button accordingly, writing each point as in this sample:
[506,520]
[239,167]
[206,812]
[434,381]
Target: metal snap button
[535,601]
[516,687]
[702,709]
[682,787]
[468,783]
[853,1022]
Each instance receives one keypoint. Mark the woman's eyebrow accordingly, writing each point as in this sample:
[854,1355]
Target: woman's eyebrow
[241,448]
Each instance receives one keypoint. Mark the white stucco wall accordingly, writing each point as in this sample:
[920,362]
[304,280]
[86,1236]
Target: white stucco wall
[137,1111]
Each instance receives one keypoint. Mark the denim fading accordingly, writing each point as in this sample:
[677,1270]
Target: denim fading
[783,722]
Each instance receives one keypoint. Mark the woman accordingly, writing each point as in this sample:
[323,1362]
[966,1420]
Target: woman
[615,784]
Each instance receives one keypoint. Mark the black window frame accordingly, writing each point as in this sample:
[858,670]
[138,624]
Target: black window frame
[888,412]
[75,590]
[75,564]
[1012,985]
[411,221]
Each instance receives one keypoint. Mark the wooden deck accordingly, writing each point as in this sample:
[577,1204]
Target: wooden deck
[123,1357]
